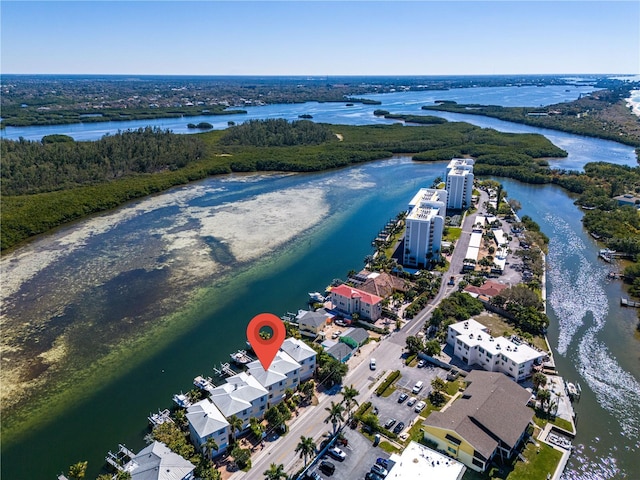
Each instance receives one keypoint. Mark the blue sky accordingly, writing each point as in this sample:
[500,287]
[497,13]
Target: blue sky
[320,38]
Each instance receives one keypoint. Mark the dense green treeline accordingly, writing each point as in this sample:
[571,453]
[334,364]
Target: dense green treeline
[24,216]
[54,164]
[277,133]
[14,116]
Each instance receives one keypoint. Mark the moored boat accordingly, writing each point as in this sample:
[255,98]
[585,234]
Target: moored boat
[240,357]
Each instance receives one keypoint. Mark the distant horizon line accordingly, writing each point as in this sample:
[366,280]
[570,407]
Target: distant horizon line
[322,76]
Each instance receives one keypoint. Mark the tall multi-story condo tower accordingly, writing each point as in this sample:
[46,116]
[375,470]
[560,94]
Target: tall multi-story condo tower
[425,222]
[459,183]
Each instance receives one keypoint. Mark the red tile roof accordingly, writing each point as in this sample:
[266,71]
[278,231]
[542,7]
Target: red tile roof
[489,288]
[350,292]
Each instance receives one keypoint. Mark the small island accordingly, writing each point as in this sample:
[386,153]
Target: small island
[200,126]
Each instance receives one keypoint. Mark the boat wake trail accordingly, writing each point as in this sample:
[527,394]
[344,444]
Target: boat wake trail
[578,299]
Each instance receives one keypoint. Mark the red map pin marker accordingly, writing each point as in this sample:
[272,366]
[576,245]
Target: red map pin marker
[266,349]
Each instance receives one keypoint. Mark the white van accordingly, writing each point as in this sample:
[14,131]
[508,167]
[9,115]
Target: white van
[417,387]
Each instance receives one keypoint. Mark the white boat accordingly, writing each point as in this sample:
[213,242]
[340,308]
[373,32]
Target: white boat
[159,418]
[182,400]
[316,297]
[241,357]
[203,383]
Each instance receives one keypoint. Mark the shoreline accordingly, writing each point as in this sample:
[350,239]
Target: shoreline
[633,102]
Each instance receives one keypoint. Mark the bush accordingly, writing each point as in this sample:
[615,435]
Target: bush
[393,376]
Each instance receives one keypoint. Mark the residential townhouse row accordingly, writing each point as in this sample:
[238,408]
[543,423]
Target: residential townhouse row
[249,394]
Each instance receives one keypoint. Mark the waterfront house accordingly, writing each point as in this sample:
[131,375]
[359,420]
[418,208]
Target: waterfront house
[381,284]
[628,200]
[349,300]
[473,345]
[488,421]
[303,354]
[241,395]
[157,462]
[283,373]
[311,324]
[206,421]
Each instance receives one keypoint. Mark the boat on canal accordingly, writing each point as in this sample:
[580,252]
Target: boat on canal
[241,358]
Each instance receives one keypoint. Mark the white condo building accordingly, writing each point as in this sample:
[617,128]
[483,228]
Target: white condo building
[459,183]
[425,223]
[473,344]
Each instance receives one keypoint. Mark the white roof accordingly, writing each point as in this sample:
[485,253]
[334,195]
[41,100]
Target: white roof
[418,461]
[297,349]
[476,239]
[157,462]
[237,394]
[205,418]
[501,238]
[282,366]
[473,333]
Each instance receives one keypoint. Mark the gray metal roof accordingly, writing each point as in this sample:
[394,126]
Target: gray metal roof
[157,462]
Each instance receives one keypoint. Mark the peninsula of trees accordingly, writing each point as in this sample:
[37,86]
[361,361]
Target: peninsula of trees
[46,184]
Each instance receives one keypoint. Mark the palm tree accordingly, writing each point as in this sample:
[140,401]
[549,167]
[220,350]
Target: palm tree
[209,446]
[305,448]
[78,470]
[275,472]
[235,425]
[349,395]
[336,411]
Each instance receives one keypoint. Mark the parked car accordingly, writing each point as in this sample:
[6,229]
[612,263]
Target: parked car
[337,453]
[422,363]
[383,462]
[403,396]
[373,476]
[411,401]
[398,428]
[390,423]
[380,470]
[312,476]
[417,387]
[327,467]
[372,364]
[419,406]
[452,280]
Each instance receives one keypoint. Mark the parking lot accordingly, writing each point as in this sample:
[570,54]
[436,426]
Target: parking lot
[361,455]
[388,407]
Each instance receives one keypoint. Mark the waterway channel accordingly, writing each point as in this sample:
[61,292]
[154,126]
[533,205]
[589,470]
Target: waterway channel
[207,257]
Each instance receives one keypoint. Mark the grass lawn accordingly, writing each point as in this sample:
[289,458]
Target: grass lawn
[539,461]
[453,234]
[499,326]
[387,447]
[541,419]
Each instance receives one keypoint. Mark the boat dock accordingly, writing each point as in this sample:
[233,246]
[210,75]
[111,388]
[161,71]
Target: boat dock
[625,302]
[159,418]
[122,460]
